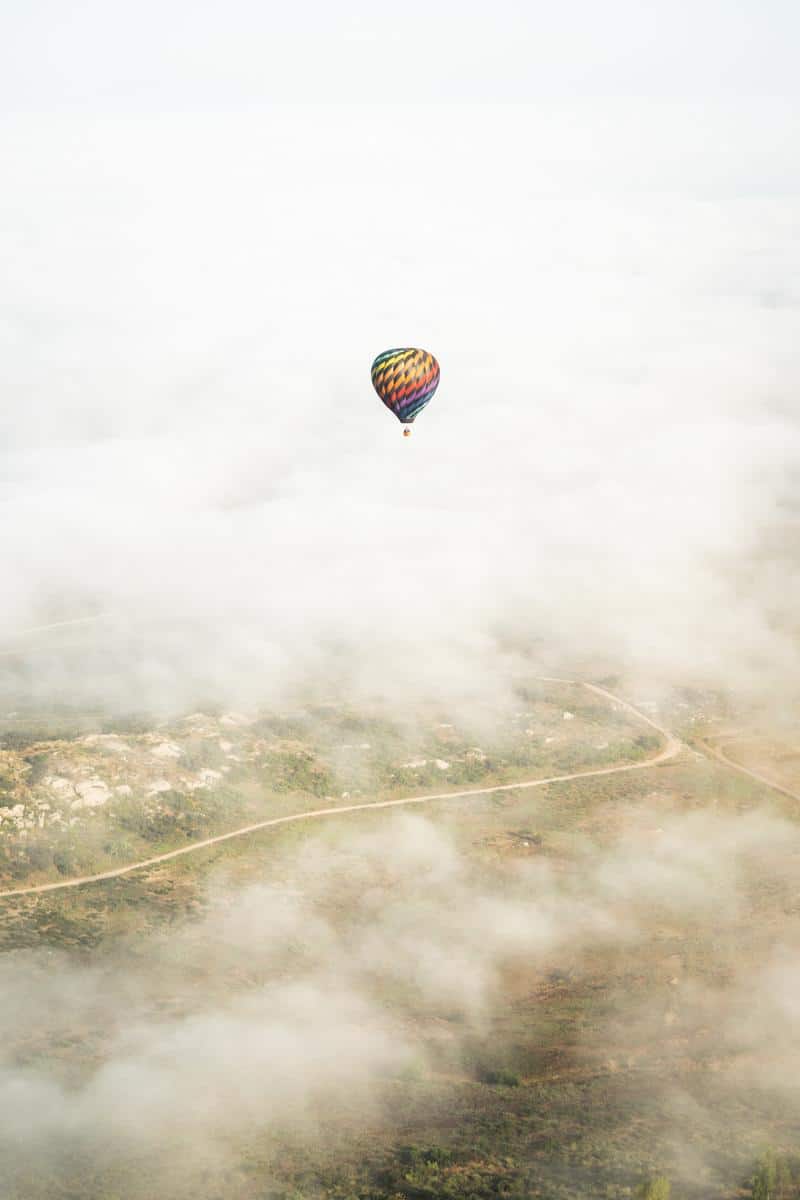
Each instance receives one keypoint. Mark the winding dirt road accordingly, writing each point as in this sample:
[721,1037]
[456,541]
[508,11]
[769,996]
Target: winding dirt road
[670,748]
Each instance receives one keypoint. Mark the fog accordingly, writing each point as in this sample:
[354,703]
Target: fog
[192,448]
[292,998]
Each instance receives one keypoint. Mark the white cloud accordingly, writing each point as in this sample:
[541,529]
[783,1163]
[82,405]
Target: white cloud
[190,307]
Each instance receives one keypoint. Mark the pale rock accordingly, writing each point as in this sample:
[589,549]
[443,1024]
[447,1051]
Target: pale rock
[59,785]
[167,750]
[235,719]
[106,741]
[205,777]
[159,785]
[91,793]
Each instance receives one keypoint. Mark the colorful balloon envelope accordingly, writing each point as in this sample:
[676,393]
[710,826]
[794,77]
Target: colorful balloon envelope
[405,380]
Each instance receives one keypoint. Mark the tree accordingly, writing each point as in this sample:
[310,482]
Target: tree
[765,1177]
[773,1178]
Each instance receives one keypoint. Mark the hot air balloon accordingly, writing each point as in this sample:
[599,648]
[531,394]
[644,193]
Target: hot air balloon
[405,380]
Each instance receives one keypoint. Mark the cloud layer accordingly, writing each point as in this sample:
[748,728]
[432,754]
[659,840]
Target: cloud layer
[192,447]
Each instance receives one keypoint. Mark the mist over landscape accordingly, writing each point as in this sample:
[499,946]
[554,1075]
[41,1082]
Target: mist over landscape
[238,609]
[307,1030]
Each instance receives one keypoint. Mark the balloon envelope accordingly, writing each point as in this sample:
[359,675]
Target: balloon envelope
[405,380]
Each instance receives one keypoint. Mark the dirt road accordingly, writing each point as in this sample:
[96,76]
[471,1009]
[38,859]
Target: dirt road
[718,753]
[671,747]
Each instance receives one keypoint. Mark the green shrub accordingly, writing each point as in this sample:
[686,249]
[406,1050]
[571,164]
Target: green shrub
[773,1178]
[64,860]
[658,1188]
[40,856]
[499,1076]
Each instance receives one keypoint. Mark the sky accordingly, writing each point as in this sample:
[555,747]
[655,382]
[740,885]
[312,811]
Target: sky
[213,218]
[174,54]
